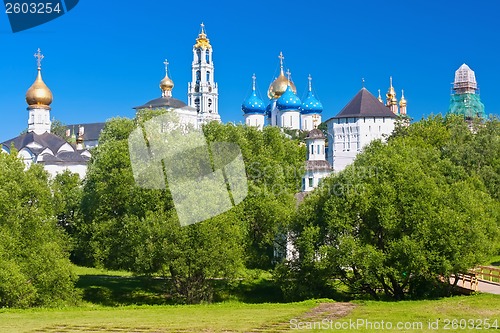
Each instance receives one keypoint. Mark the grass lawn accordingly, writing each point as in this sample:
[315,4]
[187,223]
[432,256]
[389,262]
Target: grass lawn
[494,261]
[442,311]
[196,318]
[116,302]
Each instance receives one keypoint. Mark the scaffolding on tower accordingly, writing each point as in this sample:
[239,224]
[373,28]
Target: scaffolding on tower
[465,100]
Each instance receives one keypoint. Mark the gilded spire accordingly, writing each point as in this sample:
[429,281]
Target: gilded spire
[39,94]
[380,97]
[166,85]
[202,41]
[391,94]
[402,102]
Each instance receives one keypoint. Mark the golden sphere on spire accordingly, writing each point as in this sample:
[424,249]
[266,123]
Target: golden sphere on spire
[39,93]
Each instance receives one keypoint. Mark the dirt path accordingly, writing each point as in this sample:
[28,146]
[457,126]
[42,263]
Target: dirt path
[328,311]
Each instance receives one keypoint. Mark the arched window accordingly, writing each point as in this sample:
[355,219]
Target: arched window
[197,104]
[198,76]
[207,56]
[208,76]
[198,55]
[209,102]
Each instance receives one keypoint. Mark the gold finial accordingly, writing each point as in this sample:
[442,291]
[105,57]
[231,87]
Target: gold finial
[391,94]
[166,84]
[254,78]
[39,57]
[362,82]
[281,57]
[166,66]
[380,97]
[402,101]
[202,28]
[39,94]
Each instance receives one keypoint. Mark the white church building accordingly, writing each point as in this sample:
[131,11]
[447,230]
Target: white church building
[40,146]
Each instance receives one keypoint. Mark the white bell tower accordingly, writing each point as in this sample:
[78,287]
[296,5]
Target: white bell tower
[202,90]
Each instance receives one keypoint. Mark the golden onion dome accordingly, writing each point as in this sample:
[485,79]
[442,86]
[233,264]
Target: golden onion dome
[39,93]
[278,87]
[166,84]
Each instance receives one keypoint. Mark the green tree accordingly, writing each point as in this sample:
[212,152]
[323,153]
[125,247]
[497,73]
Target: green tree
[401,217]
[67,195]
[58,128]
[274,166]
[34,265]
[129,227]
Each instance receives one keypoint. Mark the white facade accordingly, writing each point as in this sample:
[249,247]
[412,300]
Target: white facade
[203,93]
[361,121]
[348,136]
[289,119]
[317,167]
[39,119]
[310,121]
[255,120]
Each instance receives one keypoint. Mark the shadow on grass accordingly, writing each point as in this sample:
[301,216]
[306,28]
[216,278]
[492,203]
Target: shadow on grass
[111,290]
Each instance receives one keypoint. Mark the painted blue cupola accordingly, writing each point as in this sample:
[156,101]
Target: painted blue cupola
[311,104]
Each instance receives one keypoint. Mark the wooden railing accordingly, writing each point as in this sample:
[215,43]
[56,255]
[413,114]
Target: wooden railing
[487,273]
[467,281]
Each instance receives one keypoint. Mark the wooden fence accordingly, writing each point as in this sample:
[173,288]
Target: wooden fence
[487,273]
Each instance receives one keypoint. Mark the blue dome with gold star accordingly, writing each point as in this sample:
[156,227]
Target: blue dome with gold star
[311,104]
[288,101]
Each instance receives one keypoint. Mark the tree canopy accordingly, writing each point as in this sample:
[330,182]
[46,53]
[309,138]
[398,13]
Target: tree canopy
[404,216]
[124,226]
[34,266]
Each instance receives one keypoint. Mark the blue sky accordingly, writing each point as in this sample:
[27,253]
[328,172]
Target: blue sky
[105,57]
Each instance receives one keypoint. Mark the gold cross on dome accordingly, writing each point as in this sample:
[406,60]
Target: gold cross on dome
[39,56]
[288,74]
